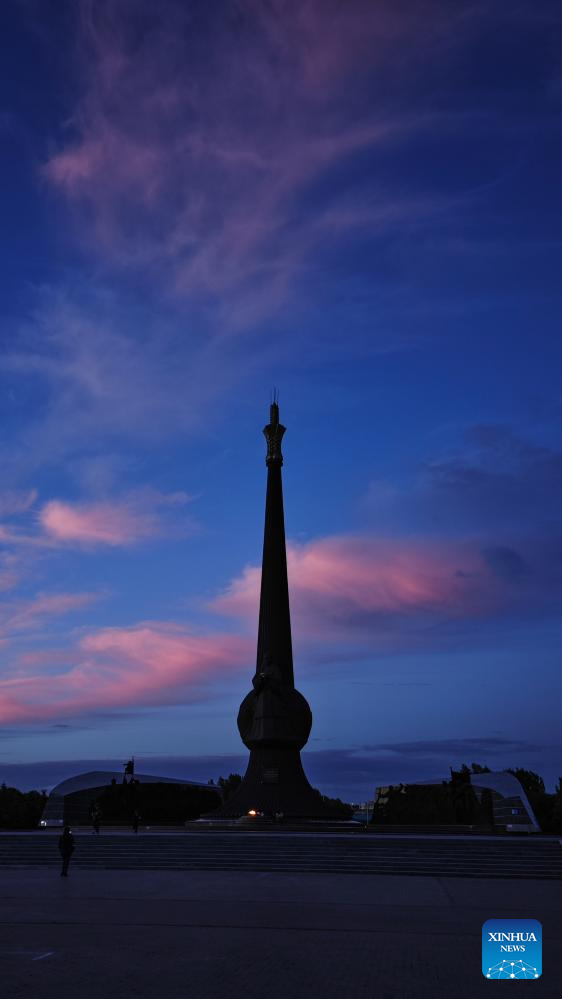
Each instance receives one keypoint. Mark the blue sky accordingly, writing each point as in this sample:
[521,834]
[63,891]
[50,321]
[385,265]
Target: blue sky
[358,204]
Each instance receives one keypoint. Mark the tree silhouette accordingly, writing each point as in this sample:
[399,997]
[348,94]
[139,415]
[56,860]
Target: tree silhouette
[532,783]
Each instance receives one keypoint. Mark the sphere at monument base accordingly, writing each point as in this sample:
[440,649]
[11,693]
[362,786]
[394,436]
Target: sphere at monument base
[274,715]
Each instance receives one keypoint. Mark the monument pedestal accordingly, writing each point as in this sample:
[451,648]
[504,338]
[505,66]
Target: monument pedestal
[275,782]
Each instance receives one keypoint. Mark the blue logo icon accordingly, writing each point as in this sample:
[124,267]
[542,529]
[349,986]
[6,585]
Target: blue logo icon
[512,948]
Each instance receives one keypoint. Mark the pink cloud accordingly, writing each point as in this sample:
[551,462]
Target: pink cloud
[338,583]
[125,521]
[141,515]
[96,523]
[113,523]
[132,166]
[145,664]
[361,593]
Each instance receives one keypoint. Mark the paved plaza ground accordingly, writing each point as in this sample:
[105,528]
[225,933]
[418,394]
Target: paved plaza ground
[258,935]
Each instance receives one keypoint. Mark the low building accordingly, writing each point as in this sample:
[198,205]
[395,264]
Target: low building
[511,809]
[70,801]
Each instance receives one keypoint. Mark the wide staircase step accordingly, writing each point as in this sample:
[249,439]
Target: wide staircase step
[293,853]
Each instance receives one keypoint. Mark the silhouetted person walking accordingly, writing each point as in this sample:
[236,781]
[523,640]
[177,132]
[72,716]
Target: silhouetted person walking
[66,848]
[136,820]
[95,815]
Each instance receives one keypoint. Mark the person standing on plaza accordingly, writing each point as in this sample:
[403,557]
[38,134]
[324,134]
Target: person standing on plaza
[95,815]
[66,849]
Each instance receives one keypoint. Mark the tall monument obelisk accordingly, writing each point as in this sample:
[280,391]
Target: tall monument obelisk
[274,720]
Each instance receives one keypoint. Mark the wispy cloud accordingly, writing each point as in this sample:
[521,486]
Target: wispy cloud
[14,502]
[109,375]
[208,147]
[25,615]
[197,133]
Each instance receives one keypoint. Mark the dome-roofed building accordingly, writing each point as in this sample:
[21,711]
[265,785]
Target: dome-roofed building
[70,802]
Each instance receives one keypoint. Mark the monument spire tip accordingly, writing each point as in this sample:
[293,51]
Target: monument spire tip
[274,407]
